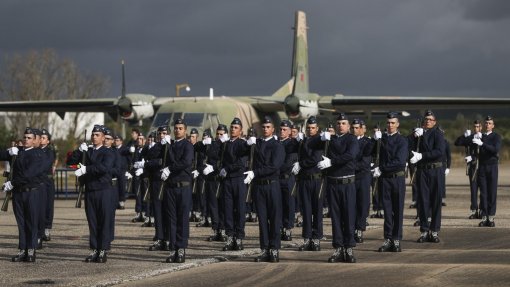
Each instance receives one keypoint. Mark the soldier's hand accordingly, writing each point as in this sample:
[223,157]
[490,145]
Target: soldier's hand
[478,135]
[83,147]
[224,138]
[13,151]
[249,176]
[377,135]
[416,157]
[195,173]
[446,172]
[223,172]
[81,170]
[418,132]
[477,141]
[296,168]
[324,163]
[139,164]
[207,141]
[7,186]
[139,171]
[300,136]
[251,141]
[165,173]
[208,169]
[325,136]
[166,140]
[468,159]
[376,172]
[132,149]
[128,175]
[467,133]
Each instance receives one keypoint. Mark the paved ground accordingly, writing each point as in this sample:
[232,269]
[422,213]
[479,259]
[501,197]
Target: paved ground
[467,255]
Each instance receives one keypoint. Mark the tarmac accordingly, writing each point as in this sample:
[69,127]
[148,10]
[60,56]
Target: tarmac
[467,255]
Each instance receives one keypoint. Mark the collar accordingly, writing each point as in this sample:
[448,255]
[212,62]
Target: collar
[27,149]
[268,139]
[98,147]
[392,134]
[179,140]
[118,147]
[488,133]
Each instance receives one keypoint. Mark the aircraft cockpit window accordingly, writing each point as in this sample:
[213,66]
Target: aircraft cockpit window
[194,119]
[161,119]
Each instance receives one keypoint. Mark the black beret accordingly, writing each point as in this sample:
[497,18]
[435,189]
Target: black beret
[193,131]
[251,132]
[222,127]
[117,137]
[330,125]
[162,129]
[429,113]
[179,122]
[107,132]
[267,120]
[37,132]
[98,129]
[46,132]
[29,130]
[311,120]
[477,122]
[286,123]
[236,121]
[152,134]
[342,117]
[489,118]
[207,133]
[357,122]
[295,127]
[392,115]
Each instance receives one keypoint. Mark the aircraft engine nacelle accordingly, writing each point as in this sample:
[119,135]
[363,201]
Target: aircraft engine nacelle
[136,107]
[300,109]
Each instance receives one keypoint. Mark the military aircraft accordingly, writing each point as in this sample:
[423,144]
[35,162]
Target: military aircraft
[293,100]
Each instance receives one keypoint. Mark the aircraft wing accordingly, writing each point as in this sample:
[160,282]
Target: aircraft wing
[84,105]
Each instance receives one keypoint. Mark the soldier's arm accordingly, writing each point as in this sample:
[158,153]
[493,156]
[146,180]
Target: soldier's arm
[184,161]
[75,157]
[4,155]
[102,166]
[397,161]
[274,164]
[349,154]
[438,149]
[493,147]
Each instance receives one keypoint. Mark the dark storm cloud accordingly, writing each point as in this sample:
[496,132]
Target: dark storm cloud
[487,10]
[386,47]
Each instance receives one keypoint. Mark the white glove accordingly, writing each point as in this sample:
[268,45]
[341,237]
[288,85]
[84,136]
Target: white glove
[324,163]
[416,157]
[467,133]
[377,135]
[208,169]
[418,132]
[477,141]
[300,136]
[132,149]
[275,137]
[376,172]
[478,136]
[138,171]
[325,136]
[468,159]
[128,175]
[223,172]
[446,171]
[13,151]
[166,140]
[207,141]
[195,173]
[165,173]
[249,176]
[296,168]
[139,164]
[251,141]
[80,171]
[83,147]
[8,186]
[224,138]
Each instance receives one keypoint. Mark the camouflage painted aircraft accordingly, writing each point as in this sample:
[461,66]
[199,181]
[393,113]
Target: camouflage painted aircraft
[293,100]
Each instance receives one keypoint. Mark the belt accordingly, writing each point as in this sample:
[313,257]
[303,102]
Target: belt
[310,176]
[284,176]
[430,165]
[179,184]
[393,174]
[27,189]
[264,181]
[114,182]
[341,180]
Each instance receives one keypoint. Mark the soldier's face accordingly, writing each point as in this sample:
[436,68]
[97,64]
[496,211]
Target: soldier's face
[118,142]
[37,141]
[108,141]
[477,128]
[285,132]
[331,131]
[162,134]
[28,140]
[193,138]
[312,129]
[267,130]
[392,125]
[430,122]
[219,134]
[179,131]
[235,131]
[357,130]
[489,125]
[294,133]
[97,138]
[44,140]
[134,135]
[343,126]
[140,141]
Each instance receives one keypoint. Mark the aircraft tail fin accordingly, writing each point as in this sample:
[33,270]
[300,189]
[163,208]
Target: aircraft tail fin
[300,55]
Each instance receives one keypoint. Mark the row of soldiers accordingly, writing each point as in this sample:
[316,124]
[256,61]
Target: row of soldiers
[337,165]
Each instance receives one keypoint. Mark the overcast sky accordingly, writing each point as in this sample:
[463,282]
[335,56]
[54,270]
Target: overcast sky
[357,47]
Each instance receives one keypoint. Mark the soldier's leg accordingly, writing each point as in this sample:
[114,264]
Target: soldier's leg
[275,215]
[317,203]
[260,195]
[50,204]
[492,189]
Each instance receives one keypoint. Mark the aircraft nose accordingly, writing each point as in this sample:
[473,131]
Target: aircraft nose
[292,106]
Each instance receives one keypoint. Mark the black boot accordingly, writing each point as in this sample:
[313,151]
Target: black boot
[102,257]
[238,244]
[39,244]
[30,255]
[47,235]
[229,245]
[349,255]
[316,245]
[157,245]
[358,236]
[386,246]
[274,255]
[422,238]
[307,245]
[180,256]
[92,256]
[396,246]
[21,256]
[263,256]
[287,235]
[338,255]
[434,237]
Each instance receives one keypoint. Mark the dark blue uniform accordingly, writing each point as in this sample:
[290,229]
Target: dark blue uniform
[363,181]
[429,179]
[269,155]
[392,163]
[117,173]
[471,150]
[139,185]
[177,197]
[124,160]
[447,161]
[47,194]
[488,173]
[29,172]
[152,168]
[287,182]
